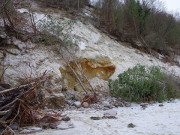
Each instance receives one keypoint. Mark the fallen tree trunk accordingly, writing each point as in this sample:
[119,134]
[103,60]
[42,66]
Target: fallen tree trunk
[73,57]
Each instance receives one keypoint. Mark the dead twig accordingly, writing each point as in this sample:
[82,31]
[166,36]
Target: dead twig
[33,23]
[6,3]
[16,115]
[3,73]
[8,132]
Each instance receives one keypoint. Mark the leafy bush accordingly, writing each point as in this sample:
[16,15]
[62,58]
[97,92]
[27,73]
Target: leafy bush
[143,84]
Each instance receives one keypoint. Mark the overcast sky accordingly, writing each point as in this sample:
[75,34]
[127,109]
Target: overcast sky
[172,5]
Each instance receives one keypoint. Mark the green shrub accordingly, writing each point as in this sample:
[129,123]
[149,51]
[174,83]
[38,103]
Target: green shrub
[55,31]
[140,20]
[141,84]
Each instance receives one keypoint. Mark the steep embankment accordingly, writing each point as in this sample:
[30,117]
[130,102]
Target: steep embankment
[94,43]
[99,56]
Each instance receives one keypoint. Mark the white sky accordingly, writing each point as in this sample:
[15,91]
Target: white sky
[172,5]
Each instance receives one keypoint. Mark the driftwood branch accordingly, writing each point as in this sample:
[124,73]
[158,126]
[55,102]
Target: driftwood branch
[17,88]
[4,112]
[24,86]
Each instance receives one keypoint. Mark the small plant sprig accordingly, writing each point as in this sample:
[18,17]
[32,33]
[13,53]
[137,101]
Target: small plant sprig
[54,30]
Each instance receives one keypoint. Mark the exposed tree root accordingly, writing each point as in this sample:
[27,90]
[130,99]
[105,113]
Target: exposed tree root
[20,105]
[90,99]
